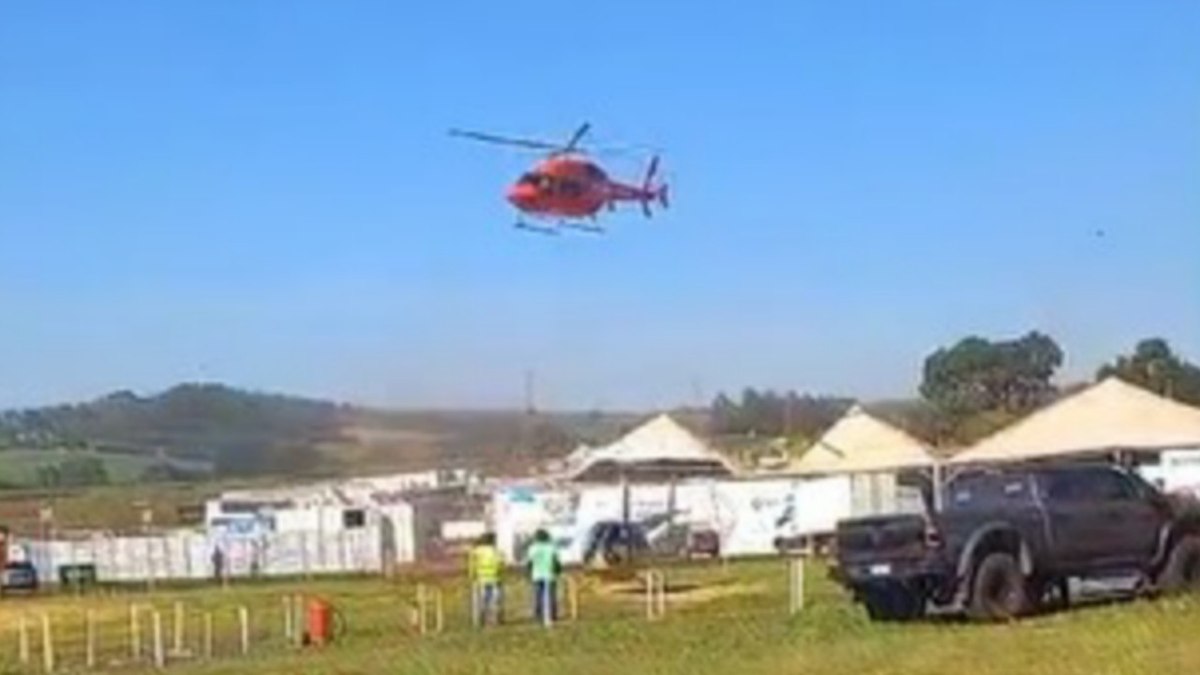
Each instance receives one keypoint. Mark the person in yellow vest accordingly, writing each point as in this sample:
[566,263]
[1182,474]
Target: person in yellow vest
[485,568]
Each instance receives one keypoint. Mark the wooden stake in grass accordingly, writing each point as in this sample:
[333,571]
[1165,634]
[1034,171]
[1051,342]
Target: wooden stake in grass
[179,625]
[244,625]
[571,587]
[208,635]
[422,628]
[656,594]
[23,640]
[441,617]
[135,633]
[160,653]
[298,620]
[429,601]
[47,644]
[89,629]
[289,617]
[795,585]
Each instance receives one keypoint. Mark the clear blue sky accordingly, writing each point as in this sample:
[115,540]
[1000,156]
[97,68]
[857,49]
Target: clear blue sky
[263,193]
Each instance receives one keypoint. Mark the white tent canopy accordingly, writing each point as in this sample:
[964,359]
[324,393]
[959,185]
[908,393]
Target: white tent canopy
[862,443]
[1108,416]
[661,443]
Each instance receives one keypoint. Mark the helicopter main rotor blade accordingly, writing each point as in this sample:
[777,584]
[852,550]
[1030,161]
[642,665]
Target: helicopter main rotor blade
[504,140]
[578,136]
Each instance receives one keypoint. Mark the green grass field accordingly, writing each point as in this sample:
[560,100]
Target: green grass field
[20,467]
[720,619]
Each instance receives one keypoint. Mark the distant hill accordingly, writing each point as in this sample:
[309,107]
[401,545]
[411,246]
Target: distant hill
[235,432]
[202,430]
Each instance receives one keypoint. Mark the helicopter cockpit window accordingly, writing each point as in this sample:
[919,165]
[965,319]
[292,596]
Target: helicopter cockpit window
[530,179]
[570,188]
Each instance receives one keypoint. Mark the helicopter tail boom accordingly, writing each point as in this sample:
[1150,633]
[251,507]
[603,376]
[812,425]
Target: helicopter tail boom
[645,194]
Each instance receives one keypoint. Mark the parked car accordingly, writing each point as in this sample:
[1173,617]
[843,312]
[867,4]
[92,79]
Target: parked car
[1006,541]
[613,542]
[18,576]
[704,542]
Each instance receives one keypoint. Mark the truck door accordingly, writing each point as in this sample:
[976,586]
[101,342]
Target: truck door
[1098,519]
[1131,523]
[1071,518]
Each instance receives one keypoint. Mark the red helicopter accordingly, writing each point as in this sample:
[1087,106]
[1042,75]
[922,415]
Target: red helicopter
[568,187]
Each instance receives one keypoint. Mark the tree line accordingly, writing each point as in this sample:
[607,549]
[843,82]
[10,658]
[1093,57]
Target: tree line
[967,390]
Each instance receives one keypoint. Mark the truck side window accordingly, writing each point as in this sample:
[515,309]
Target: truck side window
[1109,485]
[1090,485]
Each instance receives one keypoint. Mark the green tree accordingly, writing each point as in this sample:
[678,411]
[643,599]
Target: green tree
[1155,366]
[977,386]
[769,413]
[978,375]
[81,471]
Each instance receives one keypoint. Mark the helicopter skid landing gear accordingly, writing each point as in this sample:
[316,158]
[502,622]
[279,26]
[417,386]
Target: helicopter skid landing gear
[521,225]
[592,229]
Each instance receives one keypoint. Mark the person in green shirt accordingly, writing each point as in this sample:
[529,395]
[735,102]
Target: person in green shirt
[544,568]
[485,568]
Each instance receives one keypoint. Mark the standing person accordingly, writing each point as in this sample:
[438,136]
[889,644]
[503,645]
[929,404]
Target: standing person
[544,568]
[218,564]
[485,567]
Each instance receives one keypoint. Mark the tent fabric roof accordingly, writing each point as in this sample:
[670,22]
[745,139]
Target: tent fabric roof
[862,443]
[1109,415]
[660,441]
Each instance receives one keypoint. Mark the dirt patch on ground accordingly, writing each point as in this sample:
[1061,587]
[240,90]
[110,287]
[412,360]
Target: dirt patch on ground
[678,593]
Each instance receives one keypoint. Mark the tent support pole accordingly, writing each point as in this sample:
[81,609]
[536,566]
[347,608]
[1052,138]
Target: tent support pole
[937,479]
[626,507]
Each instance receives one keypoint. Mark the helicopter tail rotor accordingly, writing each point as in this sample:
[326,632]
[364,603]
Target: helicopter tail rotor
[651,190]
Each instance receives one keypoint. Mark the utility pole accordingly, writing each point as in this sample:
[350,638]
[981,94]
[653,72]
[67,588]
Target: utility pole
[526,449]
[787,416]
[529,392]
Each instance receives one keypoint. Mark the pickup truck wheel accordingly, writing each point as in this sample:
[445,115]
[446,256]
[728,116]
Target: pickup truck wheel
[893,603]
[1182,572]
[997,589]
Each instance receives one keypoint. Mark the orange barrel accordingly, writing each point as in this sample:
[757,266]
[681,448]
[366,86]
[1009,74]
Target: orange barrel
[320,622]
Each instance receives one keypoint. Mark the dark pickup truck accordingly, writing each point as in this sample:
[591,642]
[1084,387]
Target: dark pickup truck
[1004,542]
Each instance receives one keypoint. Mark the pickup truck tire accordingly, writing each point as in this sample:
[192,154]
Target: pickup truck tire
[894,602]
[998,589]
[1182,571]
